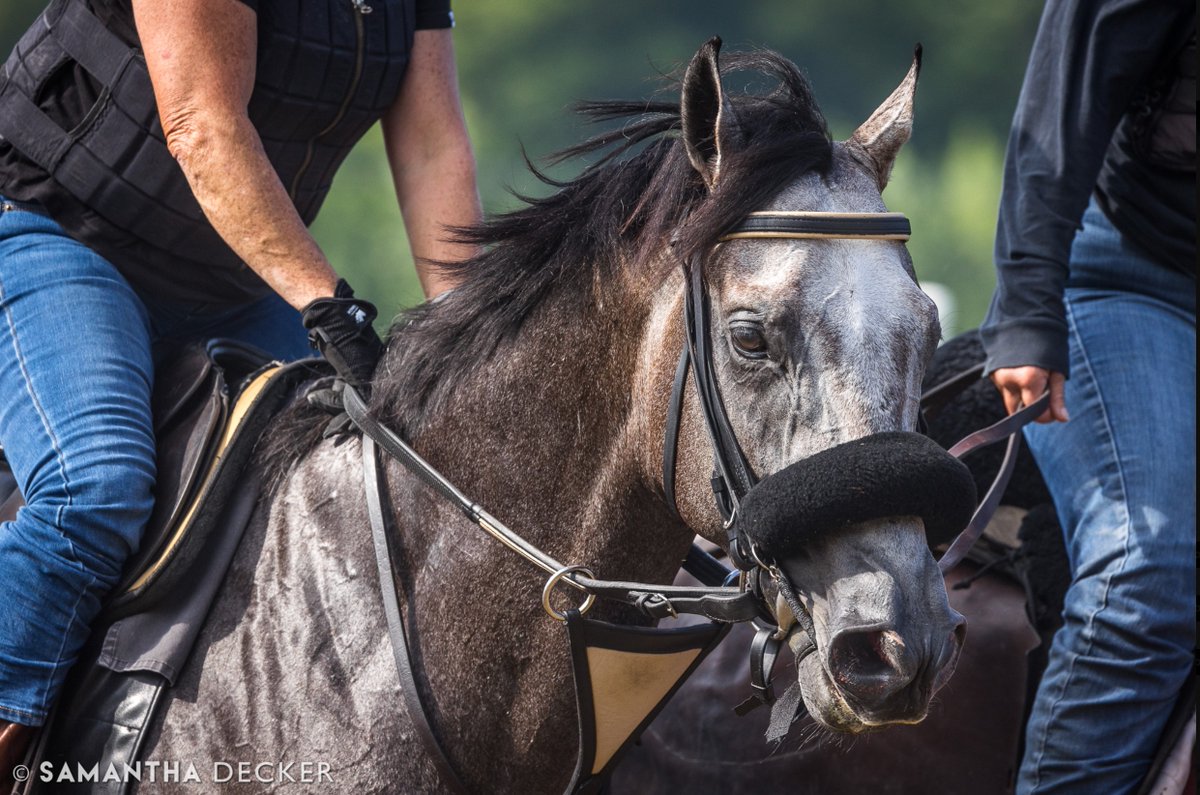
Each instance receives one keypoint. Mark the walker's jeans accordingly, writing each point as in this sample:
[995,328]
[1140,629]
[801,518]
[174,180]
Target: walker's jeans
[1122,473]
[76,370]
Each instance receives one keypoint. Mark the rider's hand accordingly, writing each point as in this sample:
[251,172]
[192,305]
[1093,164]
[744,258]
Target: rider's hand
[1021,386]
[340,328]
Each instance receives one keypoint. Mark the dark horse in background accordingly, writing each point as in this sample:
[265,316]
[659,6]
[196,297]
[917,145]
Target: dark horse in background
[541,387]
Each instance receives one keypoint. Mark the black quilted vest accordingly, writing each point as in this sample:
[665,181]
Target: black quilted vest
[327,70]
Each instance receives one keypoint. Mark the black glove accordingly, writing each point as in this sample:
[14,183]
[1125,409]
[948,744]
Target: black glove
[340,328]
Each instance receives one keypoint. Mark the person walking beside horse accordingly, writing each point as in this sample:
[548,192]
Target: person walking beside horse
[1104,140]
[159,163]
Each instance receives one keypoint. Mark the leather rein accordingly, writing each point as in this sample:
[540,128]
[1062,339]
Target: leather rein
[718,600]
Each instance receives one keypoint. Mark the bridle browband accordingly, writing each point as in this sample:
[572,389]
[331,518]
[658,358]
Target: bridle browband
[816,225]
[733,476]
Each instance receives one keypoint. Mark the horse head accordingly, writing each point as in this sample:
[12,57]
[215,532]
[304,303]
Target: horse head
[816,343]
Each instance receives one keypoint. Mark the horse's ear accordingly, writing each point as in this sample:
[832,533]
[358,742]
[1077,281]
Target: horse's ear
[880,137]
[708,120]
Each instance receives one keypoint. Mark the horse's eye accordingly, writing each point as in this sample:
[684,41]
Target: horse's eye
[749,340]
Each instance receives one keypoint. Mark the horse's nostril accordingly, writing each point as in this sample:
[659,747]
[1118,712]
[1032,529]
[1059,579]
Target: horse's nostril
[860,652]
[870,664]
[953,644]
[945,662]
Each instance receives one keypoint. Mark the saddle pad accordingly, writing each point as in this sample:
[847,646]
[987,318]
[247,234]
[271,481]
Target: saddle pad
[190,405]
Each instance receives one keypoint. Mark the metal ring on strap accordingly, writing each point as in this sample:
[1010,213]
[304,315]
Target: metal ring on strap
[548,588]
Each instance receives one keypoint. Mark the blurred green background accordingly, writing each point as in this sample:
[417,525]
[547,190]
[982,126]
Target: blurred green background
[522,65]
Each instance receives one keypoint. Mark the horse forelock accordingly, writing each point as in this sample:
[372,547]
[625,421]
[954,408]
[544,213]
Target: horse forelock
[620,212]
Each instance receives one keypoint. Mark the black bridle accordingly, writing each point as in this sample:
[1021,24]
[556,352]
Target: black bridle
[733,476]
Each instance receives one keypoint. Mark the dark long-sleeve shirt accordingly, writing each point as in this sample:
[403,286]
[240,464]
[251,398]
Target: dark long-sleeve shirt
[1082,125]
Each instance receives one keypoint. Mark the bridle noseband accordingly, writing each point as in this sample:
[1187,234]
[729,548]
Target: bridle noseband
[733,476]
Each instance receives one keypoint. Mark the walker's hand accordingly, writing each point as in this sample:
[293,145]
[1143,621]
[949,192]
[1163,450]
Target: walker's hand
[1021,386]
[340,328]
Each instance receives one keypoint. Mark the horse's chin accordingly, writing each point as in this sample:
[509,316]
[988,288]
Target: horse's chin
[832,708]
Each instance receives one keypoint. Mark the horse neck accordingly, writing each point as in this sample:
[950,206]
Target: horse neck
[553,436]
[559,434]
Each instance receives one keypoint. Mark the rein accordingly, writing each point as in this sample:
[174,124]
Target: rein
[732,478]
[727,604]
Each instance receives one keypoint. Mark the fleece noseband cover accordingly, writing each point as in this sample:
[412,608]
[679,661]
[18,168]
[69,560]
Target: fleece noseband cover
[878,476]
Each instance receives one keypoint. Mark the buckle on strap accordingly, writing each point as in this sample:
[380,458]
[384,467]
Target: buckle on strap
[764,651]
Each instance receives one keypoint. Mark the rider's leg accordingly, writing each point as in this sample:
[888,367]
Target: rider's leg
[268,323]
[1122,473]
[75,382]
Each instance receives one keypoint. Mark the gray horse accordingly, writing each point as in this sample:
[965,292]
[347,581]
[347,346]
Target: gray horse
[540,386]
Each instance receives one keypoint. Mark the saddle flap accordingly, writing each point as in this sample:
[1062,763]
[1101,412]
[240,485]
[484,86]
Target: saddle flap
[190,403]
[186,541]
[193,394]
[179,382]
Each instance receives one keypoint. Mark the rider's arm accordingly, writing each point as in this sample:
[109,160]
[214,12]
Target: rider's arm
[201,57]
[1088,61]
[431,159]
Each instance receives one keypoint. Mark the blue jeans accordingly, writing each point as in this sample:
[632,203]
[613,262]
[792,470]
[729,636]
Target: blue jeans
[76,371]
[1122,473]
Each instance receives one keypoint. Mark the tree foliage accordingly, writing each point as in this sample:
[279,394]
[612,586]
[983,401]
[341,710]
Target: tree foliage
[522,65]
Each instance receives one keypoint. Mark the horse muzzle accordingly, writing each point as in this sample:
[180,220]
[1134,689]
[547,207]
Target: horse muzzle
[881,679]
[842,532]
[876,664]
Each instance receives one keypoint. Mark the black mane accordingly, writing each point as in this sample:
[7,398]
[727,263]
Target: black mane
[641,191]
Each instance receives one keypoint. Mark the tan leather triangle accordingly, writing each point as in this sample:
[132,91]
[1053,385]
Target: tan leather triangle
[626,687]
